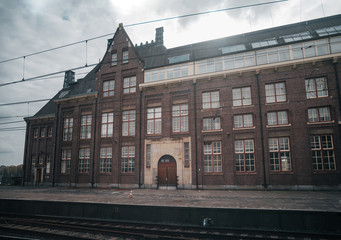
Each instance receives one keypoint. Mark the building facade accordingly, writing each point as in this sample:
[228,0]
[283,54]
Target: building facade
[256,110]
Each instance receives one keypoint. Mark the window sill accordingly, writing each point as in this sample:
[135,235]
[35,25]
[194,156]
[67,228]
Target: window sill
[272,103]
[247,173]
[324,122]
[282,172]
[244,106]
[214,174]
[275,126]
[245,128]
[211,131]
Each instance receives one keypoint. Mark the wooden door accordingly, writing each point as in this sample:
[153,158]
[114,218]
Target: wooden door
[167,171]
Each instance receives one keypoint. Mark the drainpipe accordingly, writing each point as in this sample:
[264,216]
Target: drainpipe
[94,147]
[55,146]
[196,134]
[140,140]
[337,84]
[25,152]
[261,130]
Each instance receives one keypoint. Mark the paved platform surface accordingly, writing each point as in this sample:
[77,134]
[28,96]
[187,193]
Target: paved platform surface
[277,200]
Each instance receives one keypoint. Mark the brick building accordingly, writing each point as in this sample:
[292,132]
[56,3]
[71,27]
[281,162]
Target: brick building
[260,109]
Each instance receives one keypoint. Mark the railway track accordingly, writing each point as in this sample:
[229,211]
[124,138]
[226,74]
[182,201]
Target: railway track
[51,227]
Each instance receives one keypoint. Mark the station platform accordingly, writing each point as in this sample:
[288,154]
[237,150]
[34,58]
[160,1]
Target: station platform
[295,211]
[329,201]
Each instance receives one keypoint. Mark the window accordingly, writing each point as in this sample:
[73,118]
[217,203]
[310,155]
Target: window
[128,126]
[42,132]
[108,88]
[321,114]
[34,160]
[210,124]
[241,96]
[244,155]
[66,161]
[210,100]
[67,129]
[128,159]
[106,160]
[275,92]
[186,154]
[114,59]
[180,58]
[35,132]
[129,84]
[212,157]
[316,87]
[86,127]
[277,118]
[154,120]
[48,164]
[41,159]
[84,160]
[243,121]
[148,156]
[125,56]
[49,132]
[180,118]
[322,151]
[279,149]
[107,124]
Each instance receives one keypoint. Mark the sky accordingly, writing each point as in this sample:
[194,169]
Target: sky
[31,26]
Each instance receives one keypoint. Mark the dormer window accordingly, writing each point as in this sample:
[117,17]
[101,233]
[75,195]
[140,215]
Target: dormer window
[125,56]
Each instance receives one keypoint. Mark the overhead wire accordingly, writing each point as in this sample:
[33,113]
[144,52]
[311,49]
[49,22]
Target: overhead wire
[141,23]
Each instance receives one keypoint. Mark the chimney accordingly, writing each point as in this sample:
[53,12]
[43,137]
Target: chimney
[159,35]
[69,78]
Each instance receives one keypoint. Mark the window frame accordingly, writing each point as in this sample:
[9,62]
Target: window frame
[49,132]
[209,151]
[129,123]
[241,164]
[107,125]
[66,159]
[321,151]
[277,119]
[35,132]
[114,59]
[315,90]
[209,101]
[42,132]
[181,118]
[84,160]
[67,128]
[186,155]
[86,126]
[212,124]
[125,56]
[243,125]
[105,164]
[48,164]
[153,119]
[127,89]
[275,95]
[280,151]
[241,97]
[111,88]
[128,161]
[311,117]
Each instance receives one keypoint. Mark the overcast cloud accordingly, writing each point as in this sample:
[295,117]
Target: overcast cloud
[28,26]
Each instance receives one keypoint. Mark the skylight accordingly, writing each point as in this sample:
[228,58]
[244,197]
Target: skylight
[180,58]
[234,48]
[329,31]
[264,43]
[297,37]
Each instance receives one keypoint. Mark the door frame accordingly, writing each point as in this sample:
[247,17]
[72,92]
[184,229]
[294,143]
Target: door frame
[170,159]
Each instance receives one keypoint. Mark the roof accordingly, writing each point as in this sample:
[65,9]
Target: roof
[157,56]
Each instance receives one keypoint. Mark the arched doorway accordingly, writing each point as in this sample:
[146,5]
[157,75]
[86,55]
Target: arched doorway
[167,171]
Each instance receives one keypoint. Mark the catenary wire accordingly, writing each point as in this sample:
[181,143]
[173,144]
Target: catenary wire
[141,23]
